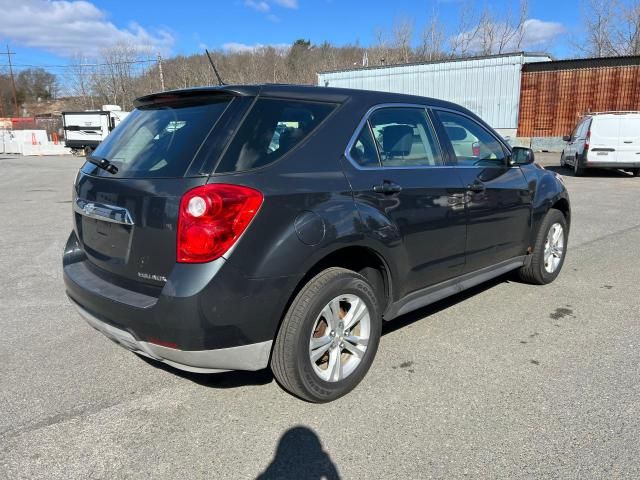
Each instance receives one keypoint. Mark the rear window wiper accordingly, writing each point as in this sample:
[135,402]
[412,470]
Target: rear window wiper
[102,163]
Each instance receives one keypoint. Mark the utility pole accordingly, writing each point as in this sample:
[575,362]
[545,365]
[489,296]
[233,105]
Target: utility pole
[159,60]
[13,82]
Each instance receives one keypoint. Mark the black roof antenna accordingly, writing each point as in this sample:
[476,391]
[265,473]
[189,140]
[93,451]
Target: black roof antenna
[215,70]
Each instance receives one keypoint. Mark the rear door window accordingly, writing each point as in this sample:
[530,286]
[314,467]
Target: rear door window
[364,151]
[159,140]
[404,137]
[272,128]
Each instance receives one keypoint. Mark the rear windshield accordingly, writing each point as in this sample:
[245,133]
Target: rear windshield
[159,141]
[271,129]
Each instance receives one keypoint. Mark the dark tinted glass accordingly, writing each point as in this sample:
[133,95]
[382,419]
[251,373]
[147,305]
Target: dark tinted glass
[272,128]
[364,151]
[160,140]
[472,144]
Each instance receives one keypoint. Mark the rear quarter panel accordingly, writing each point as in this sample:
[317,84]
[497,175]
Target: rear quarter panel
[308,208]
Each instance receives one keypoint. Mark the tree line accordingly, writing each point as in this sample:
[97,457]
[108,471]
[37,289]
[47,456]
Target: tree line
[122,72]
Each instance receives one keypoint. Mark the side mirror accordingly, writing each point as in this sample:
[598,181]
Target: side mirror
[522,156]
[566,138]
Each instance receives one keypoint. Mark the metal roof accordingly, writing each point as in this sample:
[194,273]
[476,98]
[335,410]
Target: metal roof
[576,63]
[445,60]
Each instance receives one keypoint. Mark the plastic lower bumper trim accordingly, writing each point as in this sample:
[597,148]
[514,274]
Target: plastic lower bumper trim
[605,164]
[244,357]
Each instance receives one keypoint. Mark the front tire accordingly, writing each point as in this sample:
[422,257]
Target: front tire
[329,336]
[549,251]
[578,170]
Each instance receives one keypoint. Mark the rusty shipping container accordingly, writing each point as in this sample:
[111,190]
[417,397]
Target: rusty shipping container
[554,95]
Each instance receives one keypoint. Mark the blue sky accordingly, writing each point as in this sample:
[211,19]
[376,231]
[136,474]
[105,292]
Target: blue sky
[43,32]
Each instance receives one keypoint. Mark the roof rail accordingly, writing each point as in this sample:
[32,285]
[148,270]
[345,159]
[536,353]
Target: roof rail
[612,112]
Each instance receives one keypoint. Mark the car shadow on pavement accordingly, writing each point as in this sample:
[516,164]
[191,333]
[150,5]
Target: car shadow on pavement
[592,172]
[300,455]
[221,380]
[420,314]
[235,379]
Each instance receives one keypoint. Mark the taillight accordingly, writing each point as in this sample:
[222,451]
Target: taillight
[211,219]
[587,140]
[475,147]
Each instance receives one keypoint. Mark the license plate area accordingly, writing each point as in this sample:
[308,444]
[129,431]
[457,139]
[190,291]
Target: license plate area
[104,240]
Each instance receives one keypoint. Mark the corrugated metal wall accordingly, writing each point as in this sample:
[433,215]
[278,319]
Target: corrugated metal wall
[488,86]
[552,101]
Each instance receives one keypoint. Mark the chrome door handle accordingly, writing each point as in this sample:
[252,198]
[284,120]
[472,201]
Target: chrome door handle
[476,187]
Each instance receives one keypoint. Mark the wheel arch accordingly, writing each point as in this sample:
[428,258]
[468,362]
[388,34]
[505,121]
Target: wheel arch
[562,204]
[359,258]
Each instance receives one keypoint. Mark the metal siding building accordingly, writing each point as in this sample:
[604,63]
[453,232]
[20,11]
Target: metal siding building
[488,86]
[556,94]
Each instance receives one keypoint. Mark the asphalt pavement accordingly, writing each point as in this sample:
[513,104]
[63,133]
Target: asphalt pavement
[504,381]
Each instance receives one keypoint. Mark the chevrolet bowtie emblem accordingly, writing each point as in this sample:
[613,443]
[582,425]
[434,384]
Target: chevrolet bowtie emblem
[89,208]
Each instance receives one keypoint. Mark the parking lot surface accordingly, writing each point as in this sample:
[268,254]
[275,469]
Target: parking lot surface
[504,381]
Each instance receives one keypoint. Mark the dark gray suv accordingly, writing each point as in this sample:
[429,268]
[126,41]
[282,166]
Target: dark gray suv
[241,227]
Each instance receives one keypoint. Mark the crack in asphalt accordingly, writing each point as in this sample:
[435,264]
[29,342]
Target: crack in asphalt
[61,417]
[608,235]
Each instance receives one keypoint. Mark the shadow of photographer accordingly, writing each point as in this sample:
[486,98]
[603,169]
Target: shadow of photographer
[300,455]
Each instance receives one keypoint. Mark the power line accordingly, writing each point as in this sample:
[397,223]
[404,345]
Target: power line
[79,64]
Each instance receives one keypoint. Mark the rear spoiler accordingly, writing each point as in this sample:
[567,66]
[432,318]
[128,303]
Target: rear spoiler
[195,94]
[291,92]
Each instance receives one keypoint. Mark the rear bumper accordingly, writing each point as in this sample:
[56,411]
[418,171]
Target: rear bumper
[245,357]
[206,317]
[81,143]
[601,164]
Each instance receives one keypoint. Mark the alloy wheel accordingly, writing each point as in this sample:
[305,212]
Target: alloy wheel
[339,337]
[553,248]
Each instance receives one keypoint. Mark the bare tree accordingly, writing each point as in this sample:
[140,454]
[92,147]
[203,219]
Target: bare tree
[78,78]
[488,32]
[598,16]
[402,38]
[466,32]
[432,41]
[511,31]
[626,32]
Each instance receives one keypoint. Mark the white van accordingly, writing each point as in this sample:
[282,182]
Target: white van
[604,140]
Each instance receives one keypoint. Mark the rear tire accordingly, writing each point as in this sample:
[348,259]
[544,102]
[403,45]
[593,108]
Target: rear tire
[304,326]
[635,172]
[578,170]
[545,263]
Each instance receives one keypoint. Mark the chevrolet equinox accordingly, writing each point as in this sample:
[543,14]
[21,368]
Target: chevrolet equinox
[242,227]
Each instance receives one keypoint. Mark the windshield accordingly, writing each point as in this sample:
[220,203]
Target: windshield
[159,140]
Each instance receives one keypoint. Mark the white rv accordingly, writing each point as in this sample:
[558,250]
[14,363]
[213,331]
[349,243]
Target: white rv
[83,131]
